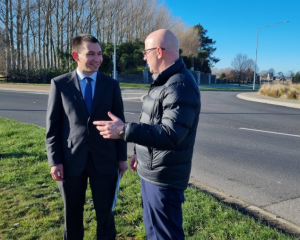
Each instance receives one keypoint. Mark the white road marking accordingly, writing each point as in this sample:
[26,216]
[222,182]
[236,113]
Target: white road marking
[256,130]
[129,112]
[131,98]
[131,93]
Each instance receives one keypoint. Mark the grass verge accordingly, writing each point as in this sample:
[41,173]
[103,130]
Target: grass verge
[204,87]
[283,91]
[31,205]
[207,87]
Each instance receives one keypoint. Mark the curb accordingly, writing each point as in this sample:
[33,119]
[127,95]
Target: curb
[268,100]
[253,211]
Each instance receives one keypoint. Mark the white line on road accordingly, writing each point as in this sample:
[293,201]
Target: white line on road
[131,98]
[131,93]
[129,112]
[256,130]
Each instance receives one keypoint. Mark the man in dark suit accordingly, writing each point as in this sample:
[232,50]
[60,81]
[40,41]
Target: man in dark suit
[75,149]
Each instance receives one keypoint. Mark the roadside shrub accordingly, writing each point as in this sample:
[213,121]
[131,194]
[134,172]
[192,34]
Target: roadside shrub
[291,91]
[137,70]
[34,75]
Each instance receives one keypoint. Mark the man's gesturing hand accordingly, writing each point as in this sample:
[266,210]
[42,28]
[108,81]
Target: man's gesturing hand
[110,129]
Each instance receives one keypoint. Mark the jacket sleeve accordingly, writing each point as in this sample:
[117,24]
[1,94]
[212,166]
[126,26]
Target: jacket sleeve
[53,126]
[118,110]
[179,104]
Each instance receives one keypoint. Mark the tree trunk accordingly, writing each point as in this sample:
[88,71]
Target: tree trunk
[19,12]
[39,53]
[7,49]
[27,35]
[11,31]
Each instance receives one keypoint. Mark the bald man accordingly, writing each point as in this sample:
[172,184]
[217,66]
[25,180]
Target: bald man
[164,137]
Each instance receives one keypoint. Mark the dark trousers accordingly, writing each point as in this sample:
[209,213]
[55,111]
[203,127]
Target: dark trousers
[162,212]
[73,191]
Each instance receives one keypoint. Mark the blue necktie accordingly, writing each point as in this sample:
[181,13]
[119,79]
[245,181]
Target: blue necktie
[88,95]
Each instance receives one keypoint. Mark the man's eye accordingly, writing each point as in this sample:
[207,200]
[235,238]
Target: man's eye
[90,54]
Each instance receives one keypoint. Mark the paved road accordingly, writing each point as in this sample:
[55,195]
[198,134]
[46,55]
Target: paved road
[246,149]
[251,151]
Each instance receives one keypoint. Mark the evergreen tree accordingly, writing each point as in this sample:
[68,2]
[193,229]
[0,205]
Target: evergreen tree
[297,78]
[205,59]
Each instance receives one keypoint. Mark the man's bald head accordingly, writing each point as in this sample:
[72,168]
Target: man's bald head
[164,38]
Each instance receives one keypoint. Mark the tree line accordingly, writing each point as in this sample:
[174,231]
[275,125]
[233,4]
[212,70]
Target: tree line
[36,35]
[243,71]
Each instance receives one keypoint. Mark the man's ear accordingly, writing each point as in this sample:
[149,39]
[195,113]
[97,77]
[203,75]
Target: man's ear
[75,56]
[160,53]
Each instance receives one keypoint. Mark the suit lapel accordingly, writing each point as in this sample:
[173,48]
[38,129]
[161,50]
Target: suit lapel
[75,90]
[99,91]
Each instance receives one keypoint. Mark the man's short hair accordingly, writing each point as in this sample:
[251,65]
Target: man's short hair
[77,41]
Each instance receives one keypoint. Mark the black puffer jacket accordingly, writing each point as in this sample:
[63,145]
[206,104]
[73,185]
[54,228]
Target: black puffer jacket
[166,133]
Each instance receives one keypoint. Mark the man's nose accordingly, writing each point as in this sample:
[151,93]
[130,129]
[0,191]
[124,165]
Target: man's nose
[98,58]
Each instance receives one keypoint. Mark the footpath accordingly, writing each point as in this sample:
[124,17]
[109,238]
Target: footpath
[255,211]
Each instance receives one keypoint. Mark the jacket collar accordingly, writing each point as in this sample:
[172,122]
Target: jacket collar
[162,77]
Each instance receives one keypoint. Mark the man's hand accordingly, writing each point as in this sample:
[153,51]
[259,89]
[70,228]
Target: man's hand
[133,162]
[57,172]
[122,167]
[110,129]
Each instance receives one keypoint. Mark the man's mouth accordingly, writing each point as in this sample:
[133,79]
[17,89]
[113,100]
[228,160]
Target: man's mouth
[95,64]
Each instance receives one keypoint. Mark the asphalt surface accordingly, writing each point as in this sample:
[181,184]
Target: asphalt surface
[246,153]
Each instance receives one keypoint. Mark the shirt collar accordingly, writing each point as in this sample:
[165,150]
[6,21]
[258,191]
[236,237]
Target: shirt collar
[82,76]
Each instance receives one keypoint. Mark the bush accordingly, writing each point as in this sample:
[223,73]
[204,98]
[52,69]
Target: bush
[35,76]
[137,70]
[291,91]
[297,78]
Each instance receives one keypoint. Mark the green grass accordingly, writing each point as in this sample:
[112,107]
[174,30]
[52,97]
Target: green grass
[134,85]
[31,206]
[203,87]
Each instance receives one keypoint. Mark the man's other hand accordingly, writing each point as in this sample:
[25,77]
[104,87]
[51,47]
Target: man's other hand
[57,172]
[122,167]
[133,162]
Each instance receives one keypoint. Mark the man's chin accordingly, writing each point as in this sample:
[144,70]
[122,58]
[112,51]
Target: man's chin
[94,69]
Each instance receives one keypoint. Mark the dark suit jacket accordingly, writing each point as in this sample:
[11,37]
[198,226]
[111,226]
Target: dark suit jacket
[70,130]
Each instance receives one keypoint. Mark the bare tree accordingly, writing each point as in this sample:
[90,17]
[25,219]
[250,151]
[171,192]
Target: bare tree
[189,42]
[264,74]
[292,74]
[281,76]
[243,66]
[37,33]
